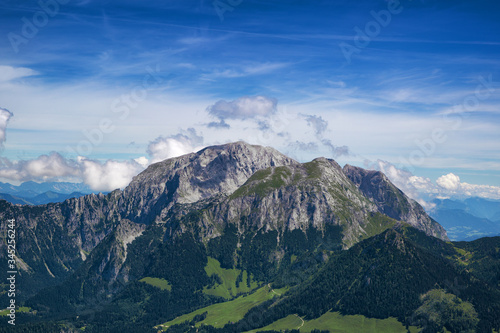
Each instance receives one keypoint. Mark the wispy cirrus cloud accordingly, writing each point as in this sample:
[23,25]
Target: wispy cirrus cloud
[244,71]
[9,73]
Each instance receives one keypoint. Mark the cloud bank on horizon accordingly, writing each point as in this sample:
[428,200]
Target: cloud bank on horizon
[419,89]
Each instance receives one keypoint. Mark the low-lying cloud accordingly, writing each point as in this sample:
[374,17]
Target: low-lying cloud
[449,182]
[109,175]
[43,168]
[425,190]
[99,176]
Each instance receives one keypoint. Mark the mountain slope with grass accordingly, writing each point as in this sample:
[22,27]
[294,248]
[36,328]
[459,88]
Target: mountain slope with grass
[401,273]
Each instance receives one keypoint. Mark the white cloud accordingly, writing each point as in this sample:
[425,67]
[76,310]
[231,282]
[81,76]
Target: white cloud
[484,191]
[244,107]
[44,168]
[105,176]
[449,182]
[162,148]
[110,175]
[100,176]
[5,115]
[8,73]
[424,190]
[167,147]
[142,161]
[411,185]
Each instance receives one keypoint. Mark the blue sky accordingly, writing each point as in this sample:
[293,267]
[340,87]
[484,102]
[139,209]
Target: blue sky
[97,90]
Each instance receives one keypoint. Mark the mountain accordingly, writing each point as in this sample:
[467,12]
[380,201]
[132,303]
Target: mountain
[32,193]
[213,171]
[40,199]
[32,189]
[50,196]
[199,229]
[469,219]
[14,199]
[483,208]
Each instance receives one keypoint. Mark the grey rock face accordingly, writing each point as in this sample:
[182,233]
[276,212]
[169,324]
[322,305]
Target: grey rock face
[54,239]
[213,171]
[297,196]
[391,201]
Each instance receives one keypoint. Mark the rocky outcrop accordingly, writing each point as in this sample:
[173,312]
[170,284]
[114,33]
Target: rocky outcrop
[53,240]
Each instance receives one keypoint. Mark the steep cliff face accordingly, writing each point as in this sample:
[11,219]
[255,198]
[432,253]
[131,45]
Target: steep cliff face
[53,240]
[391,201]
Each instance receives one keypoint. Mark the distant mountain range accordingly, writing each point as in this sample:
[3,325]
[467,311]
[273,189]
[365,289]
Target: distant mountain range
[32,193]
[239,238]
[469,219]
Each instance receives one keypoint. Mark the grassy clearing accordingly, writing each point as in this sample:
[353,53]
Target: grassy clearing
[20,309]
[357,323]
[228,288]
[289,322]
[158,283]
[264,181]
[232,311]
[462,256]
[335,322]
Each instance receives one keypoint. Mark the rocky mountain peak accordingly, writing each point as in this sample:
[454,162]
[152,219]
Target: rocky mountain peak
[212,171]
